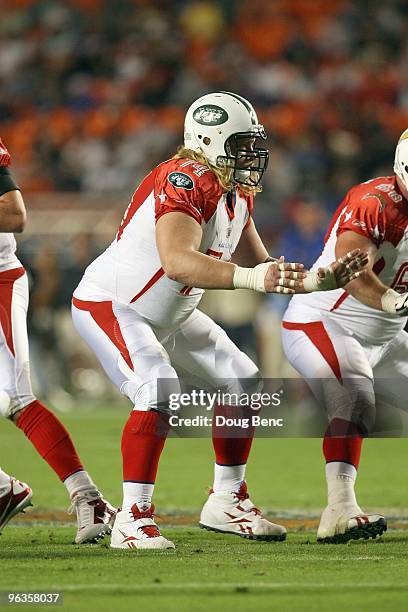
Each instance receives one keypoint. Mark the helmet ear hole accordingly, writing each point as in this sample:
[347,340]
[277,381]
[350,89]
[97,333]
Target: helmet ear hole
[206,140]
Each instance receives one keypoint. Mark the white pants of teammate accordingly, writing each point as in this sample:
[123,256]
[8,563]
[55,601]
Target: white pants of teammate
[144,364]
[14,354]
[348,376]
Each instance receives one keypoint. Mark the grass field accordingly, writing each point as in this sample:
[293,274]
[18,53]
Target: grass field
[208,570]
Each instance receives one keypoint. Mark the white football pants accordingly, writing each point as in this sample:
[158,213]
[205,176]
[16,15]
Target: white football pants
[144,364]
[15,383]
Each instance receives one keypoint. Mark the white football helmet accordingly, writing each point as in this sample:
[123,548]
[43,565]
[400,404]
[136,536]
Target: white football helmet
[224,128]
[401,159]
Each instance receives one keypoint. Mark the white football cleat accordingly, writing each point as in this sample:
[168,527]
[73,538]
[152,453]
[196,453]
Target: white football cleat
[13,500]
[345,522]
[135,528]
[95,516]
[233,512]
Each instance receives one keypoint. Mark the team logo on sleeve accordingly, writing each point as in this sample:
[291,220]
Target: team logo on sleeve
[179,179]
[210,115]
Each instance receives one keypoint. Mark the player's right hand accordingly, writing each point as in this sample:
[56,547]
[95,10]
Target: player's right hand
[275,277]
[395,303]
[5,157]
[284,277]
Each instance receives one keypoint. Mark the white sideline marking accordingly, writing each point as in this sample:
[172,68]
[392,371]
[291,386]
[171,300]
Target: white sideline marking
[175,586]
[309,557]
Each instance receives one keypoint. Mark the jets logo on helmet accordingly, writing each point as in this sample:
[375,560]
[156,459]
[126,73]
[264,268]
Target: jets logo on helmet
[224,128]
[179,179]
[210,115]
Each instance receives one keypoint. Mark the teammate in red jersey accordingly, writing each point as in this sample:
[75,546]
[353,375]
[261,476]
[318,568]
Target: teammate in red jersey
[355,338]
[17,402]
[136,307]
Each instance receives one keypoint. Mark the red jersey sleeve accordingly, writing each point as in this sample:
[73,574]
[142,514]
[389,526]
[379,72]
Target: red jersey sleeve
[363,213]
[186,186]
[178,191]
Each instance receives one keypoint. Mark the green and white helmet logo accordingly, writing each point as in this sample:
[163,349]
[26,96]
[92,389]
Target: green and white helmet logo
[179,179]
[210,115]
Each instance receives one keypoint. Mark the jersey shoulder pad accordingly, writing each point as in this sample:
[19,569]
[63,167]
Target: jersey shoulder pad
[188,174]
[379,192]
[187,186]
[374,209]
[363,212]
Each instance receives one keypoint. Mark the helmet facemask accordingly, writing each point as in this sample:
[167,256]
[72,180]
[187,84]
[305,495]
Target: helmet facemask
[247,161]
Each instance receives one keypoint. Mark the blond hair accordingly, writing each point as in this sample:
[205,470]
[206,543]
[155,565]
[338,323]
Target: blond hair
[224,175]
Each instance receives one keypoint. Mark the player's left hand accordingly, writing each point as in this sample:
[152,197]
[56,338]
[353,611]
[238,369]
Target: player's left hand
[342,271]
[337,274]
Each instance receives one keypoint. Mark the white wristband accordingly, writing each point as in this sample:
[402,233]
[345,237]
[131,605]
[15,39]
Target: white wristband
[251,278]
[389,301]
[313,282]
[310,283]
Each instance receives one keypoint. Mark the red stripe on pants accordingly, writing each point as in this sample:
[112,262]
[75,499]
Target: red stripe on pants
[318,335]
[342,441]
[7,280]
[103,315]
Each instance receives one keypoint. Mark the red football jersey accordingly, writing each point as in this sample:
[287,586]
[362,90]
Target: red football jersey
[378,210]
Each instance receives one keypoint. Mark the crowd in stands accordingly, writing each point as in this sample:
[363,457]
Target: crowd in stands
[93,92]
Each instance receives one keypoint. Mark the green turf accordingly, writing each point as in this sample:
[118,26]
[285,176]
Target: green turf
[282,473]
[208,570]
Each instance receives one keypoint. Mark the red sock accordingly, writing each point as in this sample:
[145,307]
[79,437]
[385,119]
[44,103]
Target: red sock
[143,440]
[342,442]
[232,444]
[50,438]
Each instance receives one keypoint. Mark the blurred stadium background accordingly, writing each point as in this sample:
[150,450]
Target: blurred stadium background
[93,94]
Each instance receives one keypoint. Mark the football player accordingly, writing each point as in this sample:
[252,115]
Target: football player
[136,307]
[17,402]
[350,344]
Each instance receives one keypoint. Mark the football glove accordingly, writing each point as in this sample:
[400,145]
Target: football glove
[337,274]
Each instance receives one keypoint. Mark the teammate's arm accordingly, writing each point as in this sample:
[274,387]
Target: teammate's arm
[368,288]
[251,251]
[12,209]
[12,212]
[178,238]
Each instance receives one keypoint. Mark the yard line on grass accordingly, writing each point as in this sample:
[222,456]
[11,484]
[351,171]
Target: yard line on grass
[308,557]
[225,586]
[295,518]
